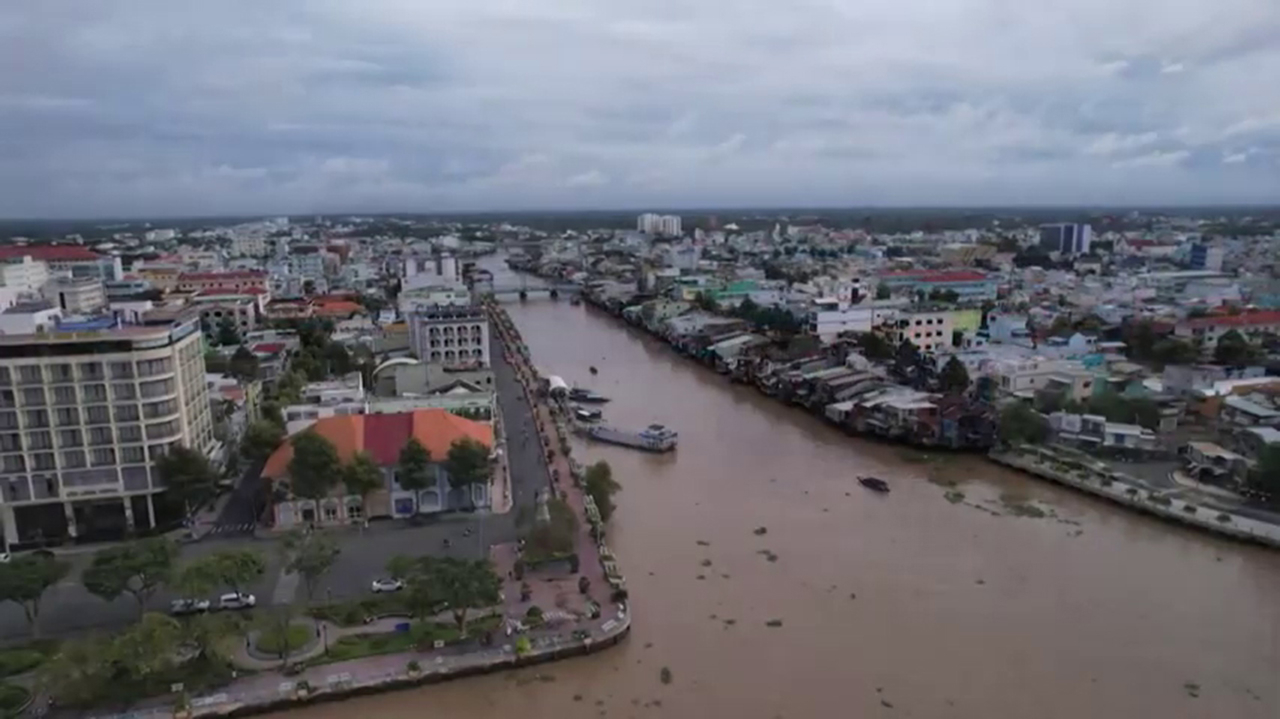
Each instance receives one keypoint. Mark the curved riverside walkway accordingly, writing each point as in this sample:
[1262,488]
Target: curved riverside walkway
[1064,468]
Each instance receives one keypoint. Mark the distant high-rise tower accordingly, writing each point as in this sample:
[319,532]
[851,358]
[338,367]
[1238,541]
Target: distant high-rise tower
[1066,238]
[653,224]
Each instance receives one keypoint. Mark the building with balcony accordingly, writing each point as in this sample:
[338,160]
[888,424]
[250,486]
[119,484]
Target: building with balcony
[241,281]
[72,260]
[450,335]
[86,410]
[84,295]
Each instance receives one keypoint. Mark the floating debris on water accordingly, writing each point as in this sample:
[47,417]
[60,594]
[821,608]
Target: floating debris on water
[761,531]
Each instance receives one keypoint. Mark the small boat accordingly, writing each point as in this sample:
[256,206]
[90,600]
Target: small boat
[594,370]
[874,484]
[582,414]
[577,394]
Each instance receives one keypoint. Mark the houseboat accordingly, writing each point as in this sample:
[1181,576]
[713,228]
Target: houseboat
[654,438]
[583,414]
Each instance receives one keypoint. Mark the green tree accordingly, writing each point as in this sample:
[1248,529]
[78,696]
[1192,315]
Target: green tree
[148,647]
[1265,476]
[271,413]
[243,364]
[874,346]
[954,378]
[338,359]
[137,568]
[1021,424]
[278,624]
[315,468]
[187,476]
[260,439]
[1170,351]
[601,486]
[555,537]
[362,475]
[413,471]
[310,556]
[80,672]
[459,584]
[204,632]
[704,301]
[1234,350]
[233,569]
[289,387]
[467,463]
[883,292]
[227,334]
[419,595]
[309,365]
[24,581]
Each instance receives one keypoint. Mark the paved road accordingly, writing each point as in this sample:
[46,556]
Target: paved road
[239,516]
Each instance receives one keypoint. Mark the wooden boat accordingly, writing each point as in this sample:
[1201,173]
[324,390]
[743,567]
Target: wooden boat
[875,484]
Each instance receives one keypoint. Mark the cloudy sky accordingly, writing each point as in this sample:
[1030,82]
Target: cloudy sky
[178,107]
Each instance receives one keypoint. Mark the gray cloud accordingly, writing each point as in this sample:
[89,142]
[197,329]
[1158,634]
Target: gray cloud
[119,107]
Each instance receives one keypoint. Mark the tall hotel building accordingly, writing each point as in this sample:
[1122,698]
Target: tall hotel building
[86,409]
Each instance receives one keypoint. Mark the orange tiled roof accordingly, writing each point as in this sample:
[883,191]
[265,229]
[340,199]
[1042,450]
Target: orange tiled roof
[383,435]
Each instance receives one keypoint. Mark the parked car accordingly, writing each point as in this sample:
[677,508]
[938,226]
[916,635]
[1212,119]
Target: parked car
[180,607]
[387,585]
[237,601]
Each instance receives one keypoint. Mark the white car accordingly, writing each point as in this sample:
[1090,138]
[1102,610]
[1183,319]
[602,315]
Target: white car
[237,601]
[179,607]
[387,585]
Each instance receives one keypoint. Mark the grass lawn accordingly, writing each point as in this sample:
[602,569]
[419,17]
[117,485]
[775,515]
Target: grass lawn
[20,660]
[354,646]
[274,640]
[12,697]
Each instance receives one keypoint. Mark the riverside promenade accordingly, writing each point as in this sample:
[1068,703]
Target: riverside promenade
[1079,472]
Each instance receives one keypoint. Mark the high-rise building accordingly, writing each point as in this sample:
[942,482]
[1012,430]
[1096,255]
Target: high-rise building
[653,224]
[87,408]
[1066,238]
[1206,257]
[449,335]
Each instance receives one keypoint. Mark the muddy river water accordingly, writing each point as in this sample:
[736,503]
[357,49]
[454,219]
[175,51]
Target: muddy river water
[917,603]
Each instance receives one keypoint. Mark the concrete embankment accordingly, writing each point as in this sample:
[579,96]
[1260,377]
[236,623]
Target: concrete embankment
[1056,466]
[291,696]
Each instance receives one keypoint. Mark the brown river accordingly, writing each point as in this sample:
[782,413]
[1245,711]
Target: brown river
[901,605]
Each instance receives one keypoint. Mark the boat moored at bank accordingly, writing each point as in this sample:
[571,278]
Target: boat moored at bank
[654,438]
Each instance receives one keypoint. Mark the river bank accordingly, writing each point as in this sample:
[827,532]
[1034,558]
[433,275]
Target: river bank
[1222,521]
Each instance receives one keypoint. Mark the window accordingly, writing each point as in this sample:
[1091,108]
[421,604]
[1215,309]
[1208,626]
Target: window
[153,410]
[102,457]
[99,436]
[129,433]
[92,371]
[40,440]
[151,368]
[61,373]
[6,379]
[11,442]
[126,412]
[121,370]
[132,455]
[355,511]
[13,463]
[123,390]
[73,459]
[66,416]
[8,398]
[30,374]
[64,395]
[162,429]
[37,418]
[94,392]
[33,397]
[330,513]
[157,388]
[42,461]
[70,438]
[8,420]
[97,414]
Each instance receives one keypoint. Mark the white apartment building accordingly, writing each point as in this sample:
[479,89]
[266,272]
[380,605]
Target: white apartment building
[828,317]
[86,410]
[80,296]
[927,330]
[653,224]
[25,276]
[249,245]
[450,335]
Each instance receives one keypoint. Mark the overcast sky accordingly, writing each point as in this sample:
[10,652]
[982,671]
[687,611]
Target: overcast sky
[179,107]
